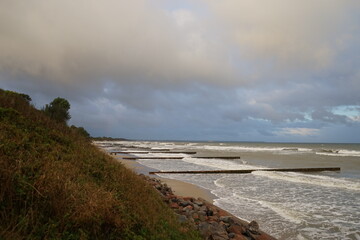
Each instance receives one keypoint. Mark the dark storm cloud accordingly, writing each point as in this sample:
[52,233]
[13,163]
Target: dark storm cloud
[209,69]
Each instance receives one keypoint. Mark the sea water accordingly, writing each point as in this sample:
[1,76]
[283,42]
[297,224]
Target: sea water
[287,205]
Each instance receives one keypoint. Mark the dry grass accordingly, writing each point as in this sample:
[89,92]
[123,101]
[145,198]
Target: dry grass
[56,185]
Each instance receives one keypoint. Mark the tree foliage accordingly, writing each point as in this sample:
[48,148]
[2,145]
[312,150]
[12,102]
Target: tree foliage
[58,110]
[80,130]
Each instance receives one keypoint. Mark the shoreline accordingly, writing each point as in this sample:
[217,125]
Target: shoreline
[195,205]
[178,187]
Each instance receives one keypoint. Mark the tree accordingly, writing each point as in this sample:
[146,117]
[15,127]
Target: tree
[81,131]
[58,110]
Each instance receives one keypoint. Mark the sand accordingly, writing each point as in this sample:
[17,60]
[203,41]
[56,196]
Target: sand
[179,188]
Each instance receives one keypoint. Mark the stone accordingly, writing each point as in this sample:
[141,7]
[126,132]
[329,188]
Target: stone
[219,232]
[237,229]
[184,203]
[213,219]
[182,218]
[225,219]
[188,207]
[254,227]
[217,236]
[199,203]
[209,212]
[195,215]
[189,199]
[222,213]
[196,207]
[231,235]
[174,205]
[205,229]
[264,236]
[239,237]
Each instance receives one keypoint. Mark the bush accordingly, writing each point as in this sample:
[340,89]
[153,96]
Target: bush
[58,110]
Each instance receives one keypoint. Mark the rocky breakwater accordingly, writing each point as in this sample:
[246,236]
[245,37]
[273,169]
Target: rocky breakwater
[212,222]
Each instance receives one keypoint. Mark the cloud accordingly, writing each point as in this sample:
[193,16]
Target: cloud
[299,131]
[297,33]
[232,69]
[76,42]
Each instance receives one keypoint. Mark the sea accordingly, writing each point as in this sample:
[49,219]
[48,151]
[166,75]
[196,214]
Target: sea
[287,205]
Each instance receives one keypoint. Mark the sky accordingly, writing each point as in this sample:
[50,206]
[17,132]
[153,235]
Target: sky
[230,70]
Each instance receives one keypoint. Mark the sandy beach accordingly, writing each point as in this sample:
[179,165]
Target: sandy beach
[179,188]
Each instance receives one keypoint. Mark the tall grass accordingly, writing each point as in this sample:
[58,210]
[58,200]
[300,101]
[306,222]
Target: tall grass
[55,185]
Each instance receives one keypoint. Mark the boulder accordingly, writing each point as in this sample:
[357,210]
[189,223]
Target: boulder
[237,229]
[174,205]
[182,218]
[226,219]
[240,237]
[254,227]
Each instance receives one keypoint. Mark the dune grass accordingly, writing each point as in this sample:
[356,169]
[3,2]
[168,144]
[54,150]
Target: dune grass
[54,184]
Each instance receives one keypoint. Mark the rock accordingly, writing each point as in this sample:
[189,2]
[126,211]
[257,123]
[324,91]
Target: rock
[216,236]
[222,213]
[182,218]
[213,219]
[219,232]
[203,208]
[199,203]
[237,229]
[196,207]
[254,227]
[264,236]
[204,229]
[231,235]
[239,237]
[209,212]
[226,219]
[174,205]
[196,218]
[184,203]
[189,199]
[188,207]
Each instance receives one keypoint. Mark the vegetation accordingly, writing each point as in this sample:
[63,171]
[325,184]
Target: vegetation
[81,131]
[58,110]
[55,185]
[108,139]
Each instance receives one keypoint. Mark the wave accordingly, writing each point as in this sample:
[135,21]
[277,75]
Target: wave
[324,181]
[220,164]
[287,213]
[222,147]
[339,153]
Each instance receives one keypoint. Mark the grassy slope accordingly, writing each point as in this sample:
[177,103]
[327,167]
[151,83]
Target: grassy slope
[55,185]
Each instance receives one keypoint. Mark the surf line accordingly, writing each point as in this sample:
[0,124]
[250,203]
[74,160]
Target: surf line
[244,171]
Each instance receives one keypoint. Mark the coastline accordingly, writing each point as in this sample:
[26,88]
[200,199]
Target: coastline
[178,187]
[195,205]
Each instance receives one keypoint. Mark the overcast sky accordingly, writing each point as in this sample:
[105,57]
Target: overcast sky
[230,70]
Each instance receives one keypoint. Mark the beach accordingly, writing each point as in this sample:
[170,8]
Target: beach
[194,205]
[179,187]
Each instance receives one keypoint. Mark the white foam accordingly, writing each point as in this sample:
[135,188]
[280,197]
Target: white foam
[219,163]
[280,209]
[357,236]
[241,148]
[324,181]
[341,153]
[301,237]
